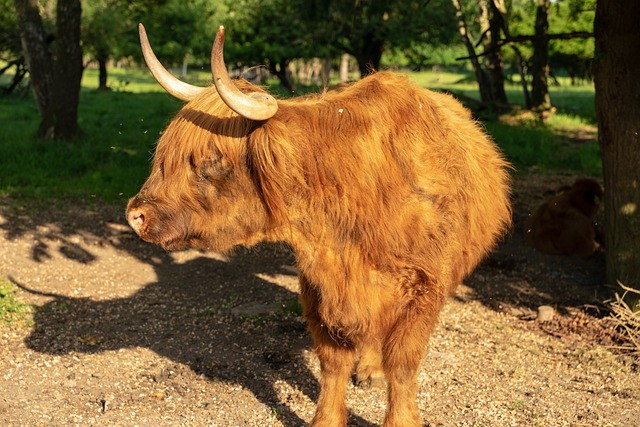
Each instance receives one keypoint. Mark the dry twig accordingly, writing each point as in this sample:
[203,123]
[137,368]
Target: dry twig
[626,319]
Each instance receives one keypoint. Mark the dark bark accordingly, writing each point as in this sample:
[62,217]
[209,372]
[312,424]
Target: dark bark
[367,63]
[37,56]
[500,8]
[540,100]
[616,71]
[102,74]
[368,54]
[279,70]
[55,77]
[68,69]
[18,75]
[520,39]
[493,60]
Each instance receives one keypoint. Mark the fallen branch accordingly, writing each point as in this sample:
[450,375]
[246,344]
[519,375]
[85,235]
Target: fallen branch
[626,319]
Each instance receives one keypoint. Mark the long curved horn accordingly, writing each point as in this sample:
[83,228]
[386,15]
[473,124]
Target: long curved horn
[255,106]
[168,81]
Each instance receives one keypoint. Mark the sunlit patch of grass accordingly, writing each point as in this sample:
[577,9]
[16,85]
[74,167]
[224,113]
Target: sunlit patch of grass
[139,80]
[561,120]
[108,160]
[13,312]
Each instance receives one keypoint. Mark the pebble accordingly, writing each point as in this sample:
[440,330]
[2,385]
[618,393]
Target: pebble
[545,313]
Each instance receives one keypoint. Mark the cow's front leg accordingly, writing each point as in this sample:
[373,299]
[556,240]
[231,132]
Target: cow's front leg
[402,353]
[336,363]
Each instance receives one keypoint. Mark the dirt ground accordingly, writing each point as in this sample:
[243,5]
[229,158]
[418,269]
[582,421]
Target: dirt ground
[125,334]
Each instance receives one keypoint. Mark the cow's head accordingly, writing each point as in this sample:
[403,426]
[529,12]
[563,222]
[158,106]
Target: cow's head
[202,189]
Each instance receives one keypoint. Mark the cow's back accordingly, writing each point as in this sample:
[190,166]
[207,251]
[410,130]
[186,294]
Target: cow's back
[398,171]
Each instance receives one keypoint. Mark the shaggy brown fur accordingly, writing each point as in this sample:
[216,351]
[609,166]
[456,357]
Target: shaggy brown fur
[563,225]
[390,195]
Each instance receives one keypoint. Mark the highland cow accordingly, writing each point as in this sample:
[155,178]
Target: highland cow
[388,193]
[563,225]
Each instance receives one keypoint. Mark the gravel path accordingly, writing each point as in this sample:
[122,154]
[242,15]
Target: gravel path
[124,334]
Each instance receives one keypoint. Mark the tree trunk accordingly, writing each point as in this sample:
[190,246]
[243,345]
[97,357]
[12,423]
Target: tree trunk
[102,75]
[38,59]
[368,54]
[344,67]
[500,8]
[280,70]
[493,57]
[55,78]
[68,67]
[490,77]
[326,72]
[481,77]
[540,100]
[616,69]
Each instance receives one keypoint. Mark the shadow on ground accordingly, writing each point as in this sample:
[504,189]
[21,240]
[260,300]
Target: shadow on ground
[187,314]
[217,317]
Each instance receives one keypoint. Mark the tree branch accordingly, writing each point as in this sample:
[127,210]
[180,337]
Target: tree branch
[521,39]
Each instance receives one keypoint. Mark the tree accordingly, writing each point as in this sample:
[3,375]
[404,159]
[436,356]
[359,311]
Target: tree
[572,56]
[561,37]
[491,25]
[105,23]
[540,100]
[10,46]
[366,28]
[55,73]
[270,32]
[616,69]
[489,73]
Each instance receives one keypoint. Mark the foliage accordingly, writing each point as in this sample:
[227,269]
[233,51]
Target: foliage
[276,31]
[361,28]
[182,29]
[180,32]
[567,57]
[573,56]
[9,37]
[268,32]
[104,24]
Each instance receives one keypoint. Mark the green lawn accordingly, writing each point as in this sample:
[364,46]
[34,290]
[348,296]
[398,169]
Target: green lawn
[110,158]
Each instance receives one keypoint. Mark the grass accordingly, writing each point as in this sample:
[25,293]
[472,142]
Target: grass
[531,146]
[13,312]
[535,148]
[110,158]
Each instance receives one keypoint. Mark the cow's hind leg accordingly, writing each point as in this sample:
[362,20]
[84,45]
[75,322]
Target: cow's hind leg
[336,363]
[369,373]
[402,353]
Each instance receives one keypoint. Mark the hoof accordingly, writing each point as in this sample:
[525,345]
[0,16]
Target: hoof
[369,382]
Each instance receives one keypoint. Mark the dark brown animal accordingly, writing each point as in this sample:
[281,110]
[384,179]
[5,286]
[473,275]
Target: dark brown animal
[389,194]
[563,225]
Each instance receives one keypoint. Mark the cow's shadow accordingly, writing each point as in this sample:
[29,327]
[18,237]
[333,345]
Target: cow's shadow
[190,316]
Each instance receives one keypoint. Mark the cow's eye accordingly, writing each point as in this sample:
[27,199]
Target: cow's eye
[215,170]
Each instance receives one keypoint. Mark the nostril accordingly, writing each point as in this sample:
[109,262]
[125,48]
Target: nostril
[136,219]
